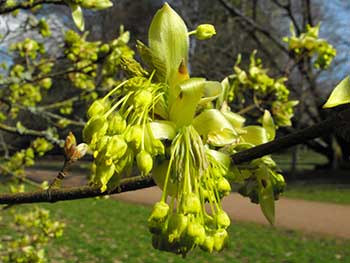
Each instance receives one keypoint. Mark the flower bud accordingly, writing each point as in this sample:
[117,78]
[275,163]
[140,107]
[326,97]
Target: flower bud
[116,147]
[46,83]
[104,174]
[143,99]
[205,31]
[222,219]
[177,225]
[98,107]
[220,239]
[159,213]
[96,4]
[95,126]
[104,48]
[208,244]
[197,232]
[134,135]
[191,204]
[223,186]
[144,162]
[160,210]
[116,124]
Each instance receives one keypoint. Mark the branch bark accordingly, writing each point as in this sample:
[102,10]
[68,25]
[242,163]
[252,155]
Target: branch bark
[235,12]
[135,183]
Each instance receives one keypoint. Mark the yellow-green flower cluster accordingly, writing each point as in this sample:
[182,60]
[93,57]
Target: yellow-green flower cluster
[118,131]
[255,86]
[191,178]
[309,43]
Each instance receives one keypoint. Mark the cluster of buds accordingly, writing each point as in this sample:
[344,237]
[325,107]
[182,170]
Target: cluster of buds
[185,223]
[118,132]
[310,44]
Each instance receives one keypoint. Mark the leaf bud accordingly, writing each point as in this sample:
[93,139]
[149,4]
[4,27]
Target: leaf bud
[69,145]
[79,152]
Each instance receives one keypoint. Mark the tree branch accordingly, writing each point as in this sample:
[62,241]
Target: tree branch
[45,133]
[235,12]
[135,183]
[5,9]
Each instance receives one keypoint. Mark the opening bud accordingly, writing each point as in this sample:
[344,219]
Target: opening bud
[205,31]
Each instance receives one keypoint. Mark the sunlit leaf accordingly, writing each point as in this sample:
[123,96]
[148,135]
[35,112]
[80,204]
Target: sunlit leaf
[269,125]
[210,121]
[163,130]
[78,16]
[340,95]
[188,94]
[255,135]
[265,193]
[168,41]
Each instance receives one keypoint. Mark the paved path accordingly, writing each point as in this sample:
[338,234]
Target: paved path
[308,216]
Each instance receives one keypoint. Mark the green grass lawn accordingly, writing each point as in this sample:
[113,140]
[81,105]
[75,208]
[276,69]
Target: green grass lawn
[109,231]
[332,193]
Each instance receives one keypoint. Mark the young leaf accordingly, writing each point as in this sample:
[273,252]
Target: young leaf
[255,135]
[163,129]
[265,193]
[211,121]
[78,17]
[169,43]
[269,125]
[188,94]
[340,95]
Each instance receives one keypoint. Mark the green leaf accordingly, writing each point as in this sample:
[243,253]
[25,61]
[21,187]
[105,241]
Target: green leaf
[163,130]
[221,157]
[269,125]
[187,97]
[78,17]
[340,95]
[211,90]
[225,84]
[222,138]
[235,119]
[255,135]
[265,193]
[169,43]
[211,121]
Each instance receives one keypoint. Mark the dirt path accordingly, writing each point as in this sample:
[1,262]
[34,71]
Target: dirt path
[308,216]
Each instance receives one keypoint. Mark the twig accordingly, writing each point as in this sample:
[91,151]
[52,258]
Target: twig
[235,12]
